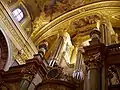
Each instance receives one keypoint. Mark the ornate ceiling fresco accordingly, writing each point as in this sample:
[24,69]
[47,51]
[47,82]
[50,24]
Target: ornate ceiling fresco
[77,17]
[48,18]
[54,8]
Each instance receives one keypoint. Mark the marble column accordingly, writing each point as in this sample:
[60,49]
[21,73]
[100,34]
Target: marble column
[94,74]
[93,61]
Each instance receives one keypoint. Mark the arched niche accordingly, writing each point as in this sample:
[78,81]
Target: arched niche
[5,51]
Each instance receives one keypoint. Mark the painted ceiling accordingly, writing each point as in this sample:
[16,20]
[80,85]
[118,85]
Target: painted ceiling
[77,17]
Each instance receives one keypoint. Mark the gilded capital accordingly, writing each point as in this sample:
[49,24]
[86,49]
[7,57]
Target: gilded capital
[93,61]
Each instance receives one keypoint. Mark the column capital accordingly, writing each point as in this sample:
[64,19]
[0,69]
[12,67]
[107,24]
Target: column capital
[93,55]
[93,61]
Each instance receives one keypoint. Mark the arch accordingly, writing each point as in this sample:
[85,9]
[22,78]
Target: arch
[78,12]
[8,60]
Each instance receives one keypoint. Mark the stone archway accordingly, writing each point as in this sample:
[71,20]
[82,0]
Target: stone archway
[5,52]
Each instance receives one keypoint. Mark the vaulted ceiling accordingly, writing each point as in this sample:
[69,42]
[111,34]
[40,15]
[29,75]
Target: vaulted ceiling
[77,17]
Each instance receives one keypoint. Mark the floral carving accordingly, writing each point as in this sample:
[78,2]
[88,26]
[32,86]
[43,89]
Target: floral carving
[93,61]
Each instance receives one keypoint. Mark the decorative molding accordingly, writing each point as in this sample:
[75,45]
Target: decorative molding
[81,22]
[83,26]
[11,2]
[14,34]
[79,12]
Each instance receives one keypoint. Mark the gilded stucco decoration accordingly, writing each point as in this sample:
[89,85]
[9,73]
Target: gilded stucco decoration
[78,23]
[77,17]
[84,25]
[11,2]
[99,8]
[17,39]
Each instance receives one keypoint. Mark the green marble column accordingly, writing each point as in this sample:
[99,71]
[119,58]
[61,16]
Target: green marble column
[93,61]
[94,72]
[94,79]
